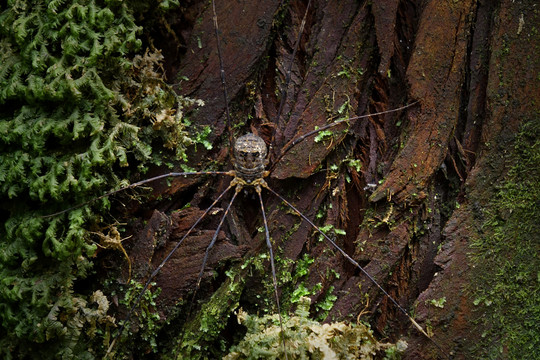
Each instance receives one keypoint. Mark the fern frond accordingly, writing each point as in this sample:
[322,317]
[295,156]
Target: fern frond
[54,5]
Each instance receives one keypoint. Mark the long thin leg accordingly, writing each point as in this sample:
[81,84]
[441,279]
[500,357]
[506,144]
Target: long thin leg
[274,279]
[212,243]
[296,141]
[223,83]
[352,261]
[288,76]
[139,183]
[158,269]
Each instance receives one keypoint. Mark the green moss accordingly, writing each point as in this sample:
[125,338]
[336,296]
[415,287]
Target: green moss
[506,256]
[308,339]
[142,330]
[82,107]
[208,335]
[202,337]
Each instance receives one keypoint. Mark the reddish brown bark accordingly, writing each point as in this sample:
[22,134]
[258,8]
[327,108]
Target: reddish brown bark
[416,163]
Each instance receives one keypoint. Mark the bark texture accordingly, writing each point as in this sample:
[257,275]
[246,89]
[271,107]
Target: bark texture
[408,211]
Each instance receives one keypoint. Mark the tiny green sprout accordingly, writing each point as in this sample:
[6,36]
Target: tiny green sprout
[356,164]
[230,274]
[328,302]
[186,168]
[299,292]
[302,291]
[302,266]
[322,135]
[328,228]
[429,328]
[333,272]
[316,288]
[344,72]
[187,206]
[437,302]
[344,107]
[202,138]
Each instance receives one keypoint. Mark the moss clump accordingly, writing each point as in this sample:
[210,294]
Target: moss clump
[308,339]
[506,256]
[82,107]
[202,337]
[140,334]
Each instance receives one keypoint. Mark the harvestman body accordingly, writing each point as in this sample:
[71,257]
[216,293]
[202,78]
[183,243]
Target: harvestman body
[250,159]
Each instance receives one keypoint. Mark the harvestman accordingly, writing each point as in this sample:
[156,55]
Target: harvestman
[250,158]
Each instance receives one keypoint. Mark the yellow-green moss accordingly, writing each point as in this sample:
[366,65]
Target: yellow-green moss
[308,339]
[507,258]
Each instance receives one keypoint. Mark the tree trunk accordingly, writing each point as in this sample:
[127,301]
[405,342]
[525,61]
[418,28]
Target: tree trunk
[410,211]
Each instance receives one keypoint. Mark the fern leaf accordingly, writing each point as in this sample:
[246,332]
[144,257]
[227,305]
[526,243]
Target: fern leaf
[54,5]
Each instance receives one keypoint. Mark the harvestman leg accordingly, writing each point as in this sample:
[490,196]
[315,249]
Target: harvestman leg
[239,187]
[158,269]
[274,279]
[139,183]
[214,238]
[352,261]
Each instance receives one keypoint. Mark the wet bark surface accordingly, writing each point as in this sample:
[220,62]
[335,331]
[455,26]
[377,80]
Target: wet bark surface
[399,208]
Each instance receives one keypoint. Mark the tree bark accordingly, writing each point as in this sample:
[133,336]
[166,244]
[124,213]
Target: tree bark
[408,211]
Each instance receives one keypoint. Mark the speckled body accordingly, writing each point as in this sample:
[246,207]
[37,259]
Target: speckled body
[250,157]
